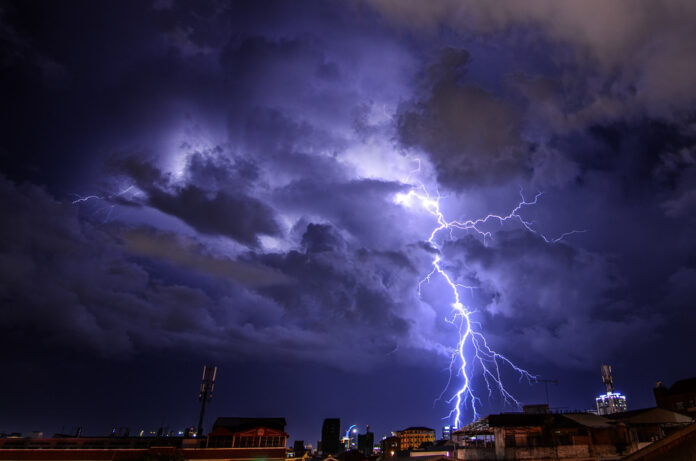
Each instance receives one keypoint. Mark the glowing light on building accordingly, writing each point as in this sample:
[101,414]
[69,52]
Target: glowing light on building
[611,402]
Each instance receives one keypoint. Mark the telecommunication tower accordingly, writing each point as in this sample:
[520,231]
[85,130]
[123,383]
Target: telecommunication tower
[206,393]
[607,378]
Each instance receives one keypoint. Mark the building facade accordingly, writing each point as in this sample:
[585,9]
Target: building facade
[447,432]
[611,402]
[230,443]
[567,436]
[391,446]
[254,433]
[232,439]
[412,437]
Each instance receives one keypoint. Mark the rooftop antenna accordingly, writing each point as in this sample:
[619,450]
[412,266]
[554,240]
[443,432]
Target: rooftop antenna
[206,393]
[607,378]
[546,386]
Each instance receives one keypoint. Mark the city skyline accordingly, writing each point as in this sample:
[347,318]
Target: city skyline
[374,210]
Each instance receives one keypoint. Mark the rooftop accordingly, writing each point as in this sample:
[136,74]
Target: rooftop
[652,415]
[683,386]
[236,424]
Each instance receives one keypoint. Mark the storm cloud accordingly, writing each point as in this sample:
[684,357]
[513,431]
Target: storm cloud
[229,182]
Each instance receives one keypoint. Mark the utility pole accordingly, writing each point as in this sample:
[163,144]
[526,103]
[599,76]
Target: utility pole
[546,387]
[206,393]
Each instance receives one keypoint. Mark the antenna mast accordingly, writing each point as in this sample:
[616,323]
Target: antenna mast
[546,387]
[607,378]
[206,393]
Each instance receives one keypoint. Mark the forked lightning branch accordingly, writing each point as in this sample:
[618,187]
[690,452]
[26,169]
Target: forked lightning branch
[471,356]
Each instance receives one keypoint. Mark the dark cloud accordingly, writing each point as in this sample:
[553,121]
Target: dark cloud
[525,285]
[350,293]
[681,167]
[290,147]
[217,207]
[321,237]
[133,291]
[605,77]
[218,171]
[88,304]
[193,256]
[372,223]
[471,135]
[240,217]
[643,48]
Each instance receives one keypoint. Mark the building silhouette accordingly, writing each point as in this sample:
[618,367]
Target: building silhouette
[391,446]
[331,436]
[232,439]
[298,448]
[366,442]
[681,397]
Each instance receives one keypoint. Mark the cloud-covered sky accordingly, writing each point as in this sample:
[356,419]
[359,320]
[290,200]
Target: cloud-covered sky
[218,182]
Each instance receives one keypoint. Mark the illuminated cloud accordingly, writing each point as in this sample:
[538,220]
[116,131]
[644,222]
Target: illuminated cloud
[248,165]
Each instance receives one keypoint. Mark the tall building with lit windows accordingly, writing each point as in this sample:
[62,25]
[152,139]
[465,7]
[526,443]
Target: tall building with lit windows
[447,432]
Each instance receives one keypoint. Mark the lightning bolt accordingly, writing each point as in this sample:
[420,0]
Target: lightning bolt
[83,199]
[472,351]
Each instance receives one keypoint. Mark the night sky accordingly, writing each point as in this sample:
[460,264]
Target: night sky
[221,182]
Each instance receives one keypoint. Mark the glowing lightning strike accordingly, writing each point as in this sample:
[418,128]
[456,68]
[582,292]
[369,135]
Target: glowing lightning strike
[470,336]
[81,199]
